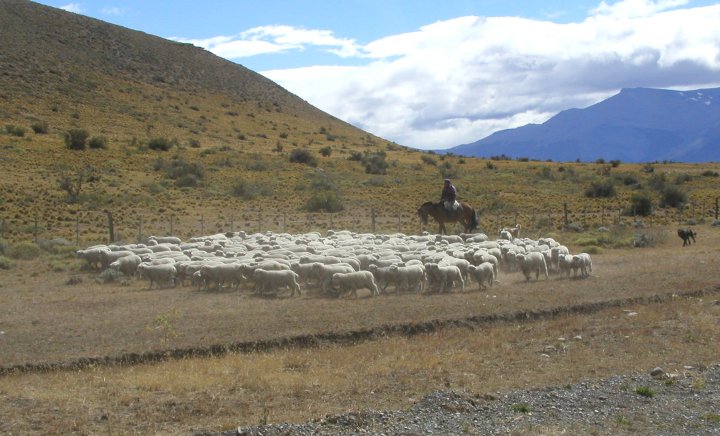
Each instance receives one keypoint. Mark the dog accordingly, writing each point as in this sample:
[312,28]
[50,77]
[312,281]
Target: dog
[687,235]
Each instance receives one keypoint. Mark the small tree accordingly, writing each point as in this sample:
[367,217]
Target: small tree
[72,184]
[75,139]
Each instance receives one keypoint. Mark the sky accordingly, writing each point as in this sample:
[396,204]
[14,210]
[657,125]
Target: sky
[433,74]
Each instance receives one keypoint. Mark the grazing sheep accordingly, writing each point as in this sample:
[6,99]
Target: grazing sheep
[157,273]
[687,235]
[93,256]
[270,280]
[108,257]
[484,274]
[582,262]
[532,262]
[409,277]
[127,264]
[353,281]
[555,254]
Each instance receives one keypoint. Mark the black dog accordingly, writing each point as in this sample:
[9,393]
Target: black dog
[686,235]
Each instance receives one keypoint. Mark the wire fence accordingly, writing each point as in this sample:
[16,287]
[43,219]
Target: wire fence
[91,227]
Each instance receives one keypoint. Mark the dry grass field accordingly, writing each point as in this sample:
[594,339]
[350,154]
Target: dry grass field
[45,320]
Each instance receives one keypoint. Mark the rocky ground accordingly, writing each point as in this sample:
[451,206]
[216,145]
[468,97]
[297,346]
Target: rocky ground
[657,403]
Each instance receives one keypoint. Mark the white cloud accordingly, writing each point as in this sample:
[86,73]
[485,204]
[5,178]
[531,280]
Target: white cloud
[72,7]
[112,11]
[458,80]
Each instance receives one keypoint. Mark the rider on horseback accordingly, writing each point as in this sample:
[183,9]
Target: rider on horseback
[449,197]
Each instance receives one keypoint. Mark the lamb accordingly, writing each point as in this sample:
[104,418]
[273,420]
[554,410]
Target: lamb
[409,277]
[530,262]
[271,280]
[445,277]
[484,274]
[353,281]
[157,273]
[127,264]
[582,262]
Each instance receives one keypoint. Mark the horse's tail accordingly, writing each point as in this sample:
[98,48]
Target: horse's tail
[474,221]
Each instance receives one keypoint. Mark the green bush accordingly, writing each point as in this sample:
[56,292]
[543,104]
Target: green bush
[710,173]
[640,204]
[14,130]
[248,190]
[603,189]
[24,251]
[326,151]
[6,263]
[187,181]
[428,160]
[303,156]
[327,201]
[673,197]
[75,139]
[160,144]
[645,391]
[375,163]
[98,142]
[39,127]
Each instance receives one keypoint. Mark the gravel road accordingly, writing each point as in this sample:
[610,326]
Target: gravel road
[680,403]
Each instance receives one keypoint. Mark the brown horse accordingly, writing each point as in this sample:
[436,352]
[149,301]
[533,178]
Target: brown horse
[465,215]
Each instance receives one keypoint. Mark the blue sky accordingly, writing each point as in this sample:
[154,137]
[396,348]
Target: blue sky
[431,74]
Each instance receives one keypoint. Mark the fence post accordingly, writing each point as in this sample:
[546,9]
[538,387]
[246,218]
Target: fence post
[140,223]
[602,217]
[284,222]
[398,217]
[232,223]
[565,214]
[35,230]
[172,225]
[717,199]
[372,219]
[259,226]
[516,217]
[332,226]
[111,227]
[77,230]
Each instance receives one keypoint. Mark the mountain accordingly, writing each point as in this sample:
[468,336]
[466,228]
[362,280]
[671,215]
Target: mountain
[635,125]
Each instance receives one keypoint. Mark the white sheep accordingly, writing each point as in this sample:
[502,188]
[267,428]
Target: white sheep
[127,264]
[565,265]
[353,281]
[444,277]
[484,274]
[157,273]
[409,277]
[270,280]
[532,262]
[93,256]
[108,257]
[582,262]
[324,273]
[384,275]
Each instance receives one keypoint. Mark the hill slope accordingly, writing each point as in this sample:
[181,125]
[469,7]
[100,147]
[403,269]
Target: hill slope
[636,125]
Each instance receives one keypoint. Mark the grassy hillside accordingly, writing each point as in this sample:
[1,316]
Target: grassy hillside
[188,142]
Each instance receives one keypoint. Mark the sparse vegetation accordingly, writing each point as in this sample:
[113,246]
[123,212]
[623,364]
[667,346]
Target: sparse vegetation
[39,127]
[303,156]
[645,391]
[98,142]
[76,139]
[324,201]
[601,189]
[160,144]
[673,196]
[640,204]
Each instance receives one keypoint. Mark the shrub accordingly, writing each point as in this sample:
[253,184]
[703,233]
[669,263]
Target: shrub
[355,156]
[448,171]
[194,143]
[604,189]
[75,139]
[682,178]
[6,263]
[640,204]
[24,251]
[187,181]
[327,201]
[615,163]
[645,391]
[15,130]
[658,182]
[630,180]
[428,160]
[249,191]
[710,173]
[302,156]
[375,163]
[160,144]
[326,151]
[98,142]
[673,197]
[39,127]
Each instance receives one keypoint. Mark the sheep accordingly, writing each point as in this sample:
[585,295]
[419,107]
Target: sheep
[445,277]
[582,262]
[270,280]
[127,264]
[565,265]
[555,254]
[505,234]
[165,239]
[384,275]
[409,277]
[93,256]
[108,257]
[462,264]
[304,271]
[157,273]
[484,274]
[530,262]
[220,274]
[324,273]
[352,281]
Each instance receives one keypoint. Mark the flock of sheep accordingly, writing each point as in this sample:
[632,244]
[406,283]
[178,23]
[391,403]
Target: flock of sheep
[340,263]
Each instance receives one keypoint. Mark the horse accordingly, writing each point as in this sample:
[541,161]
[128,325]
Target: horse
[465,215]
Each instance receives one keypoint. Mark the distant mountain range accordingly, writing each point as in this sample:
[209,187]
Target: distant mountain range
[636,125]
